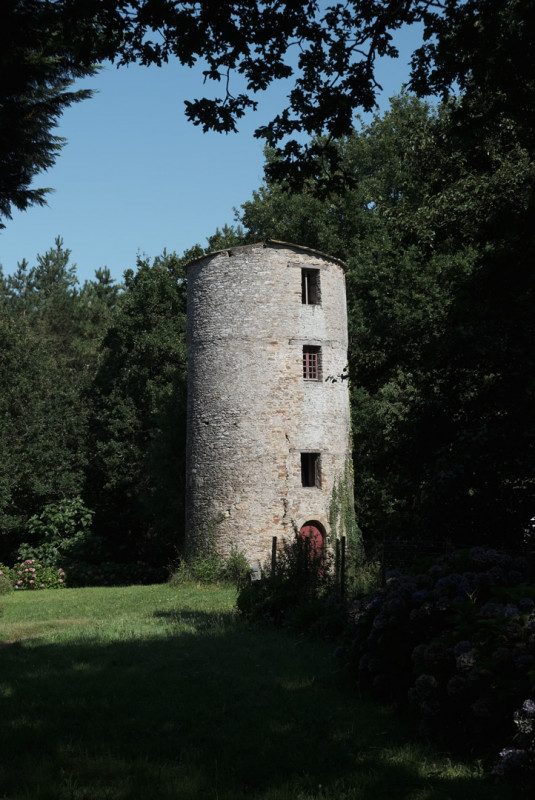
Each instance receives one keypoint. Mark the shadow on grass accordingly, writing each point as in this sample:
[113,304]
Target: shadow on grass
[211,710]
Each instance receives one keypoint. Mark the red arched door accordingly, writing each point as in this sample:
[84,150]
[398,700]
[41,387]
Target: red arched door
[312,533]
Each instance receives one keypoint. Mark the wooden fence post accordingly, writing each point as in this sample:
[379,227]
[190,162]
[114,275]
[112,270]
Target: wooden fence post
[273,556]
[343,569]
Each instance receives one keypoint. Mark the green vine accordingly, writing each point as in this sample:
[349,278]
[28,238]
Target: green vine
[204,546]
[342,520]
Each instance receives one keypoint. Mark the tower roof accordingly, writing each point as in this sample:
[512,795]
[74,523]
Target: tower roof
[266,243]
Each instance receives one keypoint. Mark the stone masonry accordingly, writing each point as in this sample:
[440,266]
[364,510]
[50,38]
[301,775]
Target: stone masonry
[261,414]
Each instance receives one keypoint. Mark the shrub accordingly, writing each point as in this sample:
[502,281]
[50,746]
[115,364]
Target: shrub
[302,594]
[365,578]
[236,569]
[207,569]
[211,568]
[456,642]
[520,759]
[6,579]
[201,569]
[61,535]
[30,574]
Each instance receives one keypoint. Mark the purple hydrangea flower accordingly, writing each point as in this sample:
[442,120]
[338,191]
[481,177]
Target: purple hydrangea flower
[528,707]
[462,647]
[465,661]
[420,614]
[490,610]
[510,759]
[420,596]
[377,602]
[524,662]
[456,685]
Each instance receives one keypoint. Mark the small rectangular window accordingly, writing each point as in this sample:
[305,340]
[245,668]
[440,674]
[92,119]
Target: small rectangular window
[310,469]
[310,287]
[311,363]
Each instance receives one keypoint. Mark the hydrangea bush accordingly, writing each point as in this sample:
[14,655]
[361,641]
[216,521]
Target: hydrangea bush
[520,758]
[30,574]
[456,643]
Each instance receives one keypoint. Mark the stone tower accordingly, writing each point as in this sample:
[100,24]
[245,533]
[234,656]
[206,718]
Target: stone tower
[268,428]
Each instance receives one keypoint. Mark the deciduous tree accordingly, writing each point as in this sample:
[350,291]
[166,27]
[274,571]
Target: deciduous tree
[327,51]
[435,229]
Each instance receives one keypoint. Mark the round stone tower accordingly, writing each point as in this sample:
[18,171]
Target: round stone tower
[268,405]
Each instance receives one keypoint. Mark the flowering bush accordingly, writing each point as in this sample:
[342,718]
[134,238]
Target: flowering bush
[520,758]
[33,575]
[457,643]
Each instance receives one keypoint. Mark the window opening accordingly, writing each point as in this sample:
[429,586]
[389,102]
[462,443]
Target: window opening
[311,363]
[310,287]
[310,470]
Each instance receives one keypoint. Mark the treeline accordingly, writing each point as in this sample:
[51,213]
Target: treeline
[92,401]
[435,225]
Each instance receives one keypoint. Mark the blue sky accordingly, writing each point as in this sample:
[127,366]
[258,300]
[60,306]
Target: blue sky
[136,176]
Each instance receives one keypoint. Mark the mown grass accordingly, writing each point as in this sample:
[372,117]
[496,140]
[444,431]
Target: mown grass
[127,693]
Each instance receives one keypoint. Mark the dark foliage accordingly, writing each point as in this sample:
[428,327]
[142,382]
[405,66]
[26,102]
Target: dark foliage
[109,573]
[456,643]
[436,231]
[136,435]
[328,51]
[302,593]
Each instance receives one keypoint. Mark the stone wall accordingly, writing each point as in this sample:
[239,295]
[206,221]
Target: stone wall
[250,412]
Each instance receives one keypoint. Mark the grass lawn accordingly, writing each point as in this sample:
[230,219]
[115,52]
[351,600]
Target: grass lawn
[141,692]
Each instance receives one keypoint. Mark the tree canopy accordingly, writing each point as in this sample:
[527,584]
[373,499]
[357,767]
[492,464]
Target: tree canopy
[436,231]
[328,51]
[37,67]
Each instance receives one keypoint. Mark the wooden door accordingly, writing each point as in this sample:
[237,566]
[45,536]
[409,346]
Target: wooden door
[313,536]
